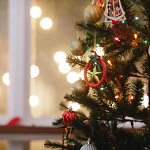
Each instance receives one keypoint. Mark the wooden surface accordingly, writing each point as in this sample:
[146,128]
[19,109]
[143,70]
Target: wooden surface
[29,129]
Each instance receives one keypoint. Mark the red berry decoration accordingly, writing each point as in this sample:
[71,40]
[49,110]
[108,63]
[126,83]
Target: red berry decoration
[91,68]
[68,117]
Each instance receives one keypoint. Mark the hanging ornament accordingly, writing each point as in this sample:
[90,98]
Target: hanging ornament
[80,88]
[93,12]
[114,11]
[122,32]
[93,69]
[77,48]
[68,117]
[88,146]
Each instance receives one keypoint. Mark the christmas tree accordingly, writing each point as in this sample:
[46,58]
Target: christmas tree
[113,86]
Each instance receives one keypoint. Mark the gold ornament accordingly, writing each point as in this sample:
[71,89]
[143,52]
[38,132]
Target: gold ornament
[93,13]
[94,74]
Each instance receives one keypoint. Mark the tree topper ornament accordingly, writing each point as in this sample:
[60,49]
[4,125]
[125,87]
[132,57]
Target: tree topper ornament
[114,11]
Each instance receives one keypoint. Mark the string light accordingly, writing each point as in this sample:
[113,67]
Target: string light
[145,42]
[117,39]
[101,88]
[116,97]
[100,51]
[109,62]
[137,18]
[123,21]
[135,36]
[75,106]
[132,97]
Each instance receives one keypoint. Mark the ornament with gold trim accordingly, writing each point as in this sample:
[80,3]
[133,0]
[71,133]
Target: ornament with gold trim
[80,88]
[93,12]
[77,47]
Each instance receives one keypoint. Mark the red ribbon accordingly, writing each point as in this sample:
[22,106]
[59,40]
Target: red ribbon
[100,1]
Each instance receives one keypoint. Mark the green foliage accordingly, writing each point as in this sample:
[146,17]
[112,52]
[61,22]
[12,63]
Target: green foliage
[130,65]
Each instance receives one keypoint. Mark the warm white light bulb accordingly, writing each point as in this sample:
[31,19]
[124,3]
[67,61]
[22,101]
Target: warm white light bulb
[60,57]
[35,12]
[100,51]
[34,101]
[145,102]
[75,106]
[64,67]
[6,79]
[72,77]
[34,71]
[46,23]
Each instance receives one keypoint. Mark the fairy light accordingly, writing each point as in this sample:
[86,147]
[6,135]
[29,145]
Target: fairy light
[132,97]
[136,18]
[101,88]
[75,106]
[109,62]
[116,97]
[145,42]
[117,39]
[123,21]
[100,51]
[135,36]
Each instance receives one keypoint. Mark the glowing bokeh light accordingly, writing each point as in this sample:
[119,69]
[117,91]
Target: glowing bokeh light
[123,21]
[145,102]
[117,39]
[34,101]
[100,51]
[64,67]
[60,57]
[34,71]
[35,12]
[137,18]
[109,62]
[6,79]
[46,23]
[72,77]
[135,36]
[75,106]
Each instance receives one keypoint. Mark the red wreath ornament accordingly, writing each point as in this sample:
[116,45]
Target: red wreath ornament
[87,66]
[68,117]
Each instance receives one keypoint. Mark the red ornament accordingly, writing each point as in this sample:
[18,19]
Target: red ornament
[68,117]
[14,121]
[103,77]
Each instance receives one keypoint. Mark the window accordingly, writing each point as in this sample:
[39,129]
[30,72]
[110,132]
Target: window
[4,58]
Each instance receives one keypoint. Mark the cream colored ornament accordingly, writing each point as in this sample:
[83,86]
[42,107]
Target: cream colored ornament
[93,12]
[88,146]
[114,11]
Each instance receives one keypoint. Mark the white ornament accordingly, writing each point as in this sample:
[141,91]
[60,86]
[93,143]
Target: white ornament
[114,11]
[88,146]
